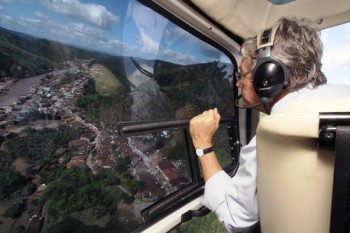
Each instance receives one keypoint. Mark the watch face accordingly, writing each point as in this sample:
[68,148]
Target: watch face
[199,152]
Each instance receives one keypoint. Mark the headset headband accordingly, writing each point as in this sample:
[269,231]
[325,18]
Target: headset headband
[270,75]
[265,39]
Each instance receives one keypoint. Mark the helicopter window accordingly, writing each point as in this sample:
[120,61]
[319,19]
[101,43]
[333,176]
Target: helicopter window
[70,71]
[336,56]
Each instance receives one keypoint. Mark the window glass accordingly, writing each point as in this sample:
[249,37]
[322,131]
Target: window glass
[171,73]
[336,55]
[69,72]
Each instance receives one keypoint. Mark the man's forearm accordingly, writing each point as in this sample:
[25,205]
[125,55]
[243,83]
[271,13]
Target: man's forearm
[210,165]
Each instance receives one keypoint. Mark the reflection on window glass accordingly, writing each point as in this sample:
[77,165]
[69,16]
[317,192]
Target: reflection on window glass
[222,147]
[69,72]
[172,74]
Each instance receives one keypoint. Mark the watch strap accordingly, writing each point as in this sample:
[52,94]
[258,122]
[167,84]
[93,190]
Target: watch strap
[208,150]
[200,152]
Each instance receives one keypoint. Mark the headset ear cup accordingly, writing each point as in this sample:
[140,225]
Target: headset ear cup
[269,76]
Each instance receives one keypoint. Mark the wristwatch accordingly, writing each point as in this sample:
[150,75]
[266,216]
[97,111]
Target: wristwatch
[201,151]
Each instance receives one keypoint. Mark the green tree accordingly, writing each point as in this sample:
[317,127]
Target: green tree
[83,191]
[16,208]
[89,87]
[122,164]
[208,223]
[39,146]
[18,229]
[10,181]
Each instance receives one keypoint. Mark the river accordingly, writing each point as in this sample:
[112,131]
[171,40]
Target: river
[21,87]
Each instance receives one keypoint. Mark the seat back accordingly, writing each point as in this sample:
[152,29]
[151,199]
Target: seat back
[295,176]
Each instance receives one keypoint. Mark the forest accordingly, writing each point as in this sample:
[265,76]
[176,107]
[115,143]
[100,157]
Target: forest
[99,193]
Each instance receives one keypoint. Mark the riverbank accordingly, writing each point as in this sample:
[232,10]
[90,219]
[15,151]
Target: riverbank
[19,88]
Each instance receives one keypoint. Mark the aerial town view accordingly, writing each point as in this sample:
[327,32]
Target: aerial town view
[63,162]
[46,103]
[70,72]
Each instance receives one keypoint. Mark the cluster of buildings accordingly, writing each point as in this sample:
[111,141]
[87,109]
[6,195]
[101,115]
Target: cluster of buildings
[47,99]
[53,100]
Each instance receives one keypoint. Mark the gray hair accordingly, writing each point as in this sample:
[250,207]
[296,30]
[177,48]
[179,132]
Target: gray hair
[299,47]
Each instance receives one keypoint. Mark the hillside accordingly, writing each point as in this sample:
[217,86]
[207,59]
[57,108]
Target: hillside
[24,55]
[106,82]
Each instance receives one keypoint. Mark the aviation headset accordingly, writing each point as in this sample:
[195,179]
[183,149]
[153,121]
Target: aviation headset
[270,75]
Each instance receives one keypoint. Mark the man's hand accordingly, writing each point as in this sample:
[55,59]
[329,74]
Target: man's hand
[203,127]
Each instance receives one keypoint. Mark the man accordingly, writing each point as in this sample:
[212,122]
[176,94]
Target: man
[294,57]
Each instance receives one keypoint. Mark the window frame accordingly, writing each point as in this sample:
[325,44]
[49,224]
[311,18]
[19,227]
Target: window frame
[175,200]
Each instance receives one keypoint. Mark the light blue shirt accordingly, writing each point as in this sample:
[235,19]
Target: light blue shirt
[234,199]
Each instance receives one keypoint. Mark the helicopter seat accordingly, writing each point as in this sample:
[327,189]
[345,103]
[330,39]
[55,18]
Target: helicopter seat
[295,174]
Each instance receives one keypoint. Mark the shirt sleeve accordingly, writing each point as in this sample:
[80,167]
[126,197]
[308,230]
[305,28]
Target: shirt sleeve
[234,199]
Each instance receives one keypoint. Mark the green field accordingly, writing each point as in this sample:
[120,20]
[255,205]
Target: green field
[208,223]
[106,81]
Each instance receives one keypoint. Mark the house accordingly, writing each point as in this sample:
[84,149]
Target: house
[175,178]
[107,163]
[77,161]
[35,222]
[77,143]
[152,188]
[60,151]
